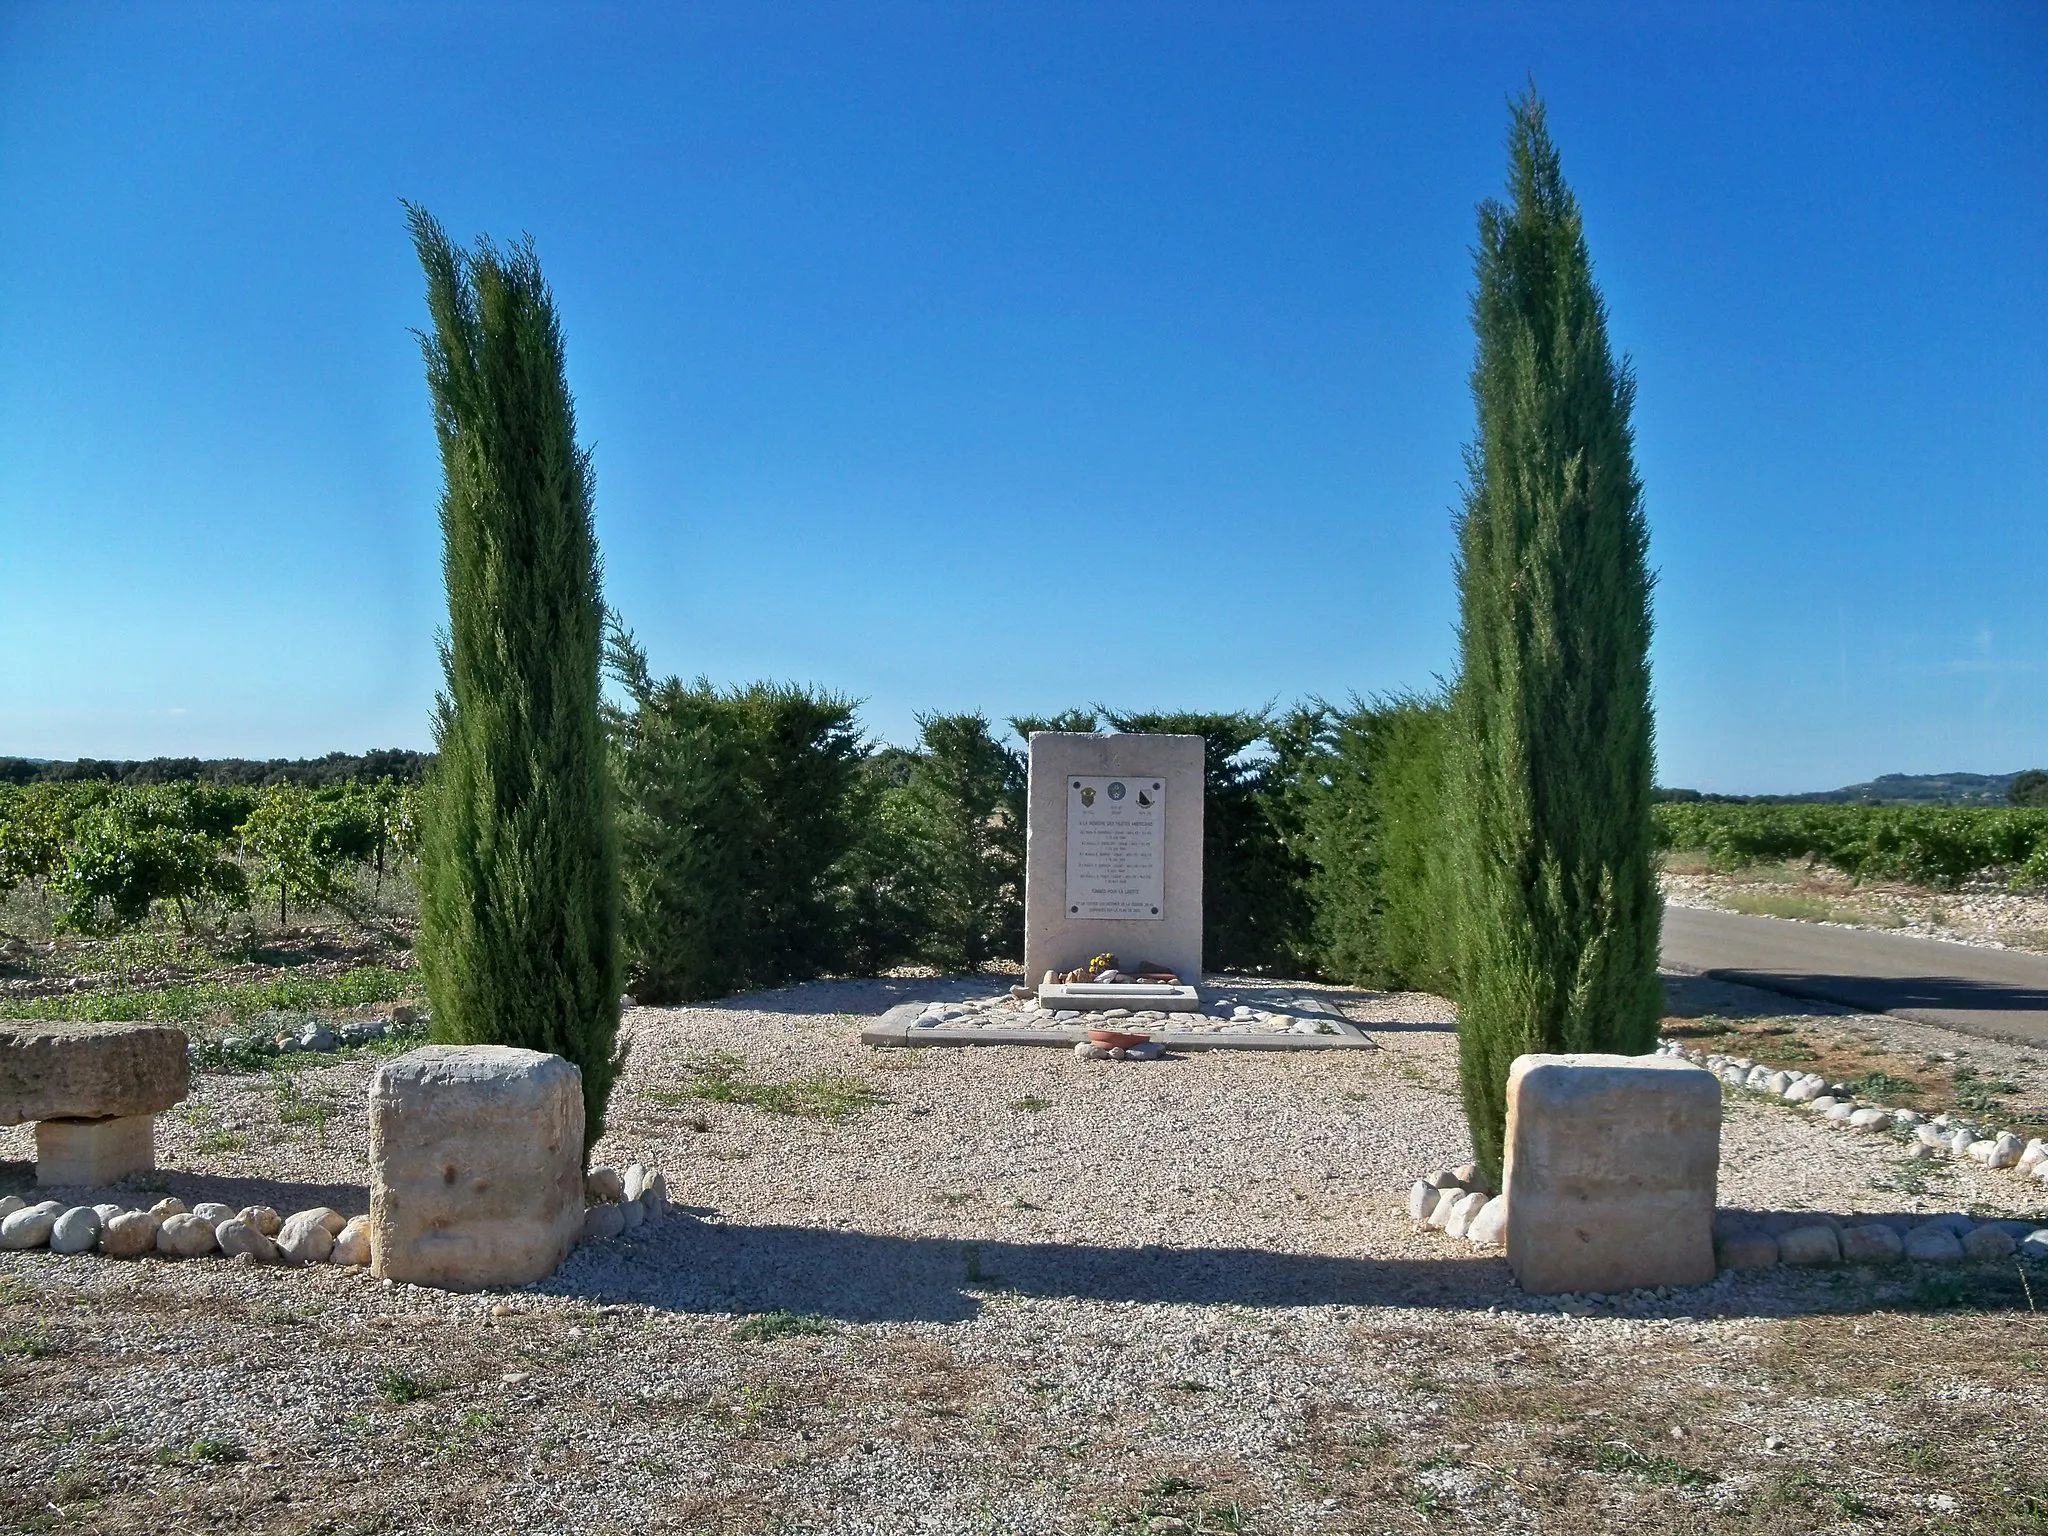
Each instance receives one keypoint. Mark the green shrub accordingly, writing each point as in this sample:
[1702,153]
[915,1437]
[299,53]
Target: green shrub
[958,823]
[1556,904]
[1370,806]
[736,810]
[518,934]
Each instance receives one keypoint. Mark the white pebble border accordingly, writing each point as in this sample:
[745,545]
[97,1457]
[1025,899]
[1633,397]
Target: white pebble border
[616,1203]
[1457,1203]
[1226,1013]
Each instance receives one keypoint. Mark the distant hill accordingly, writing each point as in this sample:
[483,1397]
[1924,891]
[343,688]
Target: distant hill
[1886,789]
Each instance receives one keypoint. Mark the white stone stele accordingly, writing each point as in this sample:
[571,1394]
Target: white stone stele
[476,1166]
[1086,995]
[90,1153]
[1056,938]
[1610,1172]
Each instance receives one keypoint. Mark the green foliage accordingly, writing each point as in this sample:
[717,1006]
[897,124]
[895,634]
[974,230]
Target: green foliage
[721,1078]
[761,1327]
[136,847]
[519,887]
[1368,793]
[737,809]
[1941,845]
[109,854]
[1255,913]
[958,822]
[2029,787]
[1556,903]
[295,849]
[185,1002]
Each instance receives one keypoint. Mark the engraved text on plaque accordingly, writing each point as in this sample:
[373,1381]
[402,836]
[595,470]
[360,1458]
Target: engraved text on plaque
[1116,847]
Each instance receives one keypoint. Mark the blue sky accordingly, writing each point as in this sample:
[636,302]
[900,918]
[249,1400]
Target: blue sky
[1011,356]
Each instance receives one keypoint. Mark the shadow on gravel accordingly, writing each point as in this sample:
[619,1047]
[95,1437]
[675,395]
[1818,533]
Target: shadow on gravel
[690,1266]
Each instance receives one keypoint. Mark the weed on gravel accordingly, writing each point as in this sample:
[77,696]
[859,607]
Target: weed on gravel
[763,1326]
[720,1077]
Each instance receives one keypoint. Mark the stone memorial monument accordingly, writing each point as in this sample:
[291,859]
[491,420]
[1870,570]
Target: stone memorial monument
[1113,857]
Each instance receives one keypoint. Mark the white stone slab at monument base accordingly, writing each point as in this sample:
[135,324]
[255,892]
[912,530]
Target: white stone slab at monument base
[1113,852]
[1133,995]
[476,1166]
[1610,1172]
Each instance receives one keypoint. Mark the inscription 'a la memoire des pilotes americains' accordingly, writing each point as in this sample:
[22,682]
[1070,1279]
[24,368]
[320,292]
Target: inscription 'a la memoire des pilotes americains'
[1116,847]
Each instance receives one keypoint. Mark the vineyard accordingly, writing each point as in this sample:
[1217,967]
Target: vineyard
[98,857]
[1942,846]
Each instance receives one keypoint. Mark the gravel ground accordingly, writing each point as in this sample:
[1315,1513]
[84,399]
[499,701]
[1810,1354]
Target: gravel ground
[1019,1293]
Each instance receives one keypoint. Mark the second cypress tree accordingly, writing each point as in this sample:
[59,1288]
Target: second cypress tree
[1549,771]
[518,874]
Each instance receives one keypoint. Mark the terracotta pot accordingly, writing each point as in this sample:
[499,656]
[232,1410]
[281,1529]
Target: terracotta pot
[1115,1039]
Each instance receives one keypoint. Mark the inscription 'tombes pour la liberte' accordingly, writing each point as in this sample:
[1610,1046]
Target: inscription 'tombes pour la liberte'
[1116,847]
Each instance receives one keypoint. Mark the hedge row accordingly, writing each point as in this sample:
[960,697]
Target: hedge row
[1929,845]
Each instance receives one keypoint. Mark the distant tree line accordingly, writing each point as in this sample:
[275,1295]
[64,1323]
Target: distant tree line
[393,763]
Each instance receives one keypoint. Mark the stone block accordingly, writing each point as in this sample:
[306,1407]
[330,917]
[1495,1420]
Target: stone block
[1057,937]
[94,1152]
[1610,1172]
[89,1071]
[476,1166]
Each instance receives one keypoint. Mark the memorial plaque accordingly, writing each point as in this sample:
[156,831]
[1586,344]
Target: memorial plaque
[1116,847]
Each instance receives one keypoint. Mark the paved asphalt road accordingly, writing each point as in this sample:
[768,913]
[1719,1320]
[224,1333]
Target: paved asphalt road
[2000,994]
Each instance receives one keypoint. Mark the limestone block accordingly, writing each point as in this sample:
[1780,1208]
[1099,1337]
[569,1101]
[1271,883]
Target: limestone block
[476,1166]
[89,1071]
[1611,1166]
[94,1152]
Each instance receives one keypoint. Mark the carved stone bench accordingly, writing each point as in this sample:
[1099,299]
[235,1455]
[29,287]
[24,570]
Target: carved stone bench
[94,1091]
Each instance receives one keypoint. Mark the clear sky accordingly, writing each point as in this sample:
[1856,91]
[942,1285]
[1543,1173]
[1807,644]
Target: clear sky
[1012,356]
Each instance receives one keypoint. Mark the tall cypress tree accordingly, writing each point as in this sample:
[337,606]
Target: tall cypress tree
[1556,904]
[518,873]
